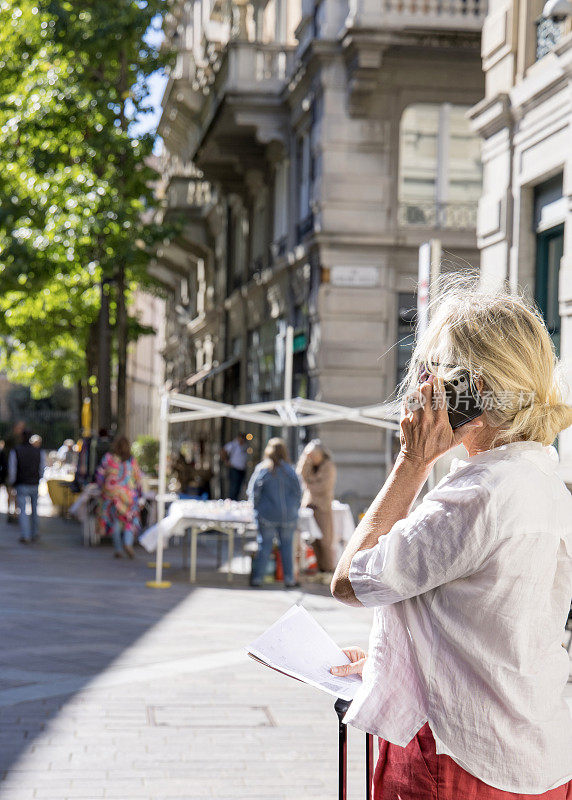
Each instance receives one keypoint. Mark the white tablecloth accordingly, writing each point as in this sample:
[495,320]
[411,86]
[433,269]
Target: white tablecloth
[228,513]
[185,513]
[343,522]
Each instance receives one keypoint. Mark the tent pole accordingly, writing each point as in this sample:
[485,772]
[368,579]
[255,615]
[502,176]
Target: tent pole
[288,365]
[159,583]
[288,369]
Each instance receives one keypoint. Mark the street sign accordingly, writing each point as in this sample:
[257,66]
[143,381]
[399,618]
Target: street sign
[354,276]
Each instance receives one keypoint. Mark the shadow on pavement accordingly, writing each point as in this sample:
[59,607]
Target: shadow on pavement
[71,613]
[68,613]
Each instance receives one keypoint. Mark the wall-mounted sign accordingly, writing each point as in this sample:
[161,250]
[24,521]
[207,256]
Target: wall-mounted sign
[354,276]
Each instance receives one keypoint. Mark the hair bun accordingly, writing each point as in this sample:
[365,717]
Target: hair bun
[544,421]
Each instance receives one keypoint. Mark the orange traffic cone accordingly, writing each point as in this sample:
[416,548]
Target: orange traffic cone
[310,560]
[279,574]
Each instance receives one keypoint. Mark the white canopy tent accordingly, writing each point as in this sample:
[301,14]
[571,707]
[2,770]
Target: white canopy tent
[286,413]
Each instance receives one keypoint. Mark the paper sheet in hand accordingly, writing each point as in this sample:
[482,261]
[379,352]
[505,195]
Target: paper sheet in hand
[297,646]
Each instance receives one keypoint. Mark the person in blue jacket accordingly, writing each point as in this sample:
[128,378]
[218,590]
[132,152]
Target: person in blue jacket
[275,492]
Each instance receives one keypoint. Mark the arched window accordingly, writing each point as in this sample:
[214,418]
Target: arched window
[440,172]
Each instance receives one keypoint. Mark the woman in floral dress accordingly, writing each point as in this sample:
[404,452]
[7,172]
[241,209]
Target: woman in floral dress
[119,478]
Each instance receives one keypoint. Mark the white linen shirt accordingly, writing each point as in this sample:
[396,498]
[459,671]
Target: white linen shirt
[471,594]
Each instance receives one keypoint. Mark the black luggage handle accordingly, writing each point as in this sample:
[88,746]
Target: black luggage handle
[341,707]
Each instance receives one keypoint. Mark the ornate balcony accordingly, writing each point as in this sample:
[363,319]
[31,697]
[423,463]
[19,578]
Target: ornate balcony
[377,26]
[248,68]
[187,193]
[434,15]
[188,198]
[243,110]
[182,186]
[440,216]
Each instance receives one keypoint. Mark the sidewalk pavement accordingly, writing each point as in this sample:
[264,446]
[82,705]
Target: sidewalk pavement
[111,689]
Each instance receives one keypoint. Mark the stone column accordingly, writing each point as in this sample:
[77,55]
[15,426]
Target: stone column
[242,16]
[565,302]
[492,119]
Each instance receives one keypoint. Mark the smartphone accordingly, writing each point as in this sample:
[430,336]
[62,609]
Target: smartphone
[464,402]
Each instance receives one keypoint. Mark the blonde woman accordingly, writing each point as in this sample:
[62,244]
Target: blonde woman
[466,670]
[275,492]
[318,474]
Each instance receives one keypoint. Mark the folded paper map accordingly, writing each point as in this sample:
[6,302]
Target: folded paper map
[299,647]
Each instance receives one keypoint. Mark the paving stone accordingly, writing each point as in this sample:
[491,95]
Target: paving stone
[106,686]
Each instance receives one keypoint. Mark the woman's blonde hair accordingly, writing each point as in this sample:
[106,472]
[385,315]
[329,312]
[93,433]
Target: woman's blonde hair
[500,337]
[276,452]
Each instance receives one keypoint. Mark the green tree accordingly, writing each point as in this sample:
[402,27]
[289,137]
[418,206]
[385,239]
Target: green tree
[74,180]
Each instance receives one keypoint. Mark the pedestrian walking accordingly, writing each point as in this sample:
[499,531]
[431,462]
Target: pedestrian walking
[99,447]
[275,492]
[119,478]
[234,454]
[318,473]
[466,672]
[26,464]
[83,474]
[3,464]
[184,470]
[14,438]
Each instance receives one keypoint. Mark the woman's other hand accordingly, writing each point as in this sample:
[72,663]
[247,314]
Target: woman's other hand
[358,658]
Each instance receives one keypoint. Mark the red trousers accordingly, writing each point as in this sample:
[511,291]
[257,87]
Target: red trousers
[416,772]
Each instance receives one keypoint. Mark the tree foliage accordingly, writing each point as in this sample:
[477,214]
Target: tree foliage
[75,183]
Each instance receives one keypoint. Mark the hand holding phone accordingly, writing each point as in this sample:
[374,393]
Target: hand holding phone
[438,416]
[464,403]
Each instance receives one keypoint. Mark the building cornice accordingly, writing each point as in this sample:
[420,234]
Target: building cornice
[491,115]
[365,48]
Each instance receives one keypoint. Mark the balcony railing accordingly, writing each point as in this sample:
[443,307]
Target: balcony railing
[549,31]
[462,15]
[253,67]
[428,214]
[453,8]
[185,192]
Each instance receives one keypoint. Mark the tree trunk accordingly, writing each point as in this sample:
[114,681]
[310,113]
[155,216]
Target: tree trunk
[79,400]
[121,323]
[91,361]
[121,331]
[104,360]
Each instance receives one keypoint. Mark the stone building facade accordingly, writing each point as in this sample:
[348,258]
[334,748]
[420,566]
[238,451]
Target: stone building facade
[525,119]
[310,149]
[145,367]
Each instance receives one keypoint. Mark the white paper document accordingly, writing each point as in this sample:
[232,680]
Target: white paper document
[299,647]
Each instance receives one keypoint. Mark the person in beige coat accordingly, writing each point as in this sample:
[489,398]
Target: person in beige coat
[318,474]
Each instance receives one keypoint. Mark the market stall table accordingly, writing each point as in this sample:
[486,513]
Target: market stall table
[232,518]
[343,524]
[228,517]
[59,483]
